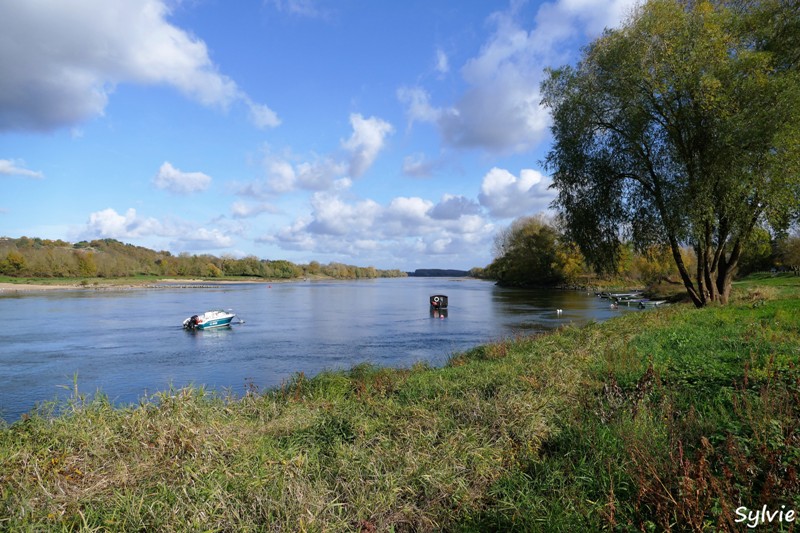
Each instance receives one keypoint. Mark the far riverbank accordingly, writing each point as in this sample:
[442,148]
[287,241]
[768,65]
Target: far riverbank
[24,285]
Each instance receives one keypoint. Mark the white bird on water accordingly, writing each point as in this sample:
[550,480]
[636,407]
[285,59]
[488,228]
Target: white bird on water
[559,311]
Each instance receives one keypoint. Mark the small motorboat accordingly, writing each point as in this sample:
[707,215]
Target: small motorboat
[208,320]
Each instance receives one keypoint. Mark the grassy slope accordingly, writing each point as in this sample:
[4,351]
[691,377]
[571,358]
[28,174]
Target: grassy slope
[687,415]
[668,418]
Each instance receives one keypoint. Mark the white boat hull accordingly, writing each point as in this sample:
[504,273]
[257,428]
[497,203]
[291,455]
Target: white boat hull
[209,320]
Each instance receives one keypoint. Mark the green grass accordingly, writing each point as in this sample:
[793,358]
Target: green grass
[686,416]
[665,419]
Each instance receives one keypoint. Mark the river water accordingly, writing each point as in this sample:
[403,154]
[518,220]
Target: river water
[130,343]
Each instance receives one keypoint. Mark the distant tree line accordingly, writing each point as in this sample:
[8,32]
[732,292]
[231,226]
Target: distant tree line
[535,251]
[438,273]
[110,258]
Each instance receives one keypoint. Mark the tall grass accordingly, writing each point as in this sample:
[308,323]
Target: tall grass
[661,420]
[687,416]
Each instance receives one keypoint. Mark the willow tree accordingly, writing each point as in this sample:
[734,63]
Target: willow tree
[682,127]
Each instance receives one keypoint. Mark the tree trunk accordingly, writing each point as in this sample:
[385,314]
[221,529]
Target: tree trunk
[699,277]
[709,265]
[687,279]
[727,268]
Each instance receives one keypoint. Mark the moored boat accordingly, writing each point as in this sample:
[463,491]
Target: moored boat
[208,320]
[438,301]
[633,301]
[651,303]
[625,295]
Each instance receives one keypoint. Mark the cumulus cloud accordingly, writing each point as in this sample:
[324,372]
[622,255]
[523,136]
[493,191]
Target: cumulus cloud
[12,167]
[368,138]
[454,207]
[108,223]
[404,216]
[60,61]
[403,230]
[507,196]
[319,174]
[564,19]
[177,181]
[500,108]
[287,172]
[333,216]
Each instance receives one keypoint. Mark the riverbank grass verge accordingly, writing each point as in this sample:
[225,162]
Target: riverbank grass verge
[665,419]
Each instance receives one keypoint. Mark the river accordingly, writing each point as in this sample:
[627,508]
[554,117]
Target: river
[130,343]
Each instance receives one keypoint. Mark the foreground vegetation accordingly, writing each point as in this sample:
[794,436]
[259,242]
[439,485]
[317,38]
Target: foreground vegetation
[644,422]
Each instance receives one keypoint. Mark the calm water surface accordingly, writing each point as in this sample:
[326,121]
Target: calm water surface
[129,343]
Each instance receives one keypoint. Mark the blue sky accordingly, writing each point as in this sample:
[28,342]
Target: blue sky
[395,134]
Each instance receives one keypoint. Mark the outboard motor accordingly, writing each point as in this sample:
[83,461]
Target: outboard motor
[192,322]
[438,301]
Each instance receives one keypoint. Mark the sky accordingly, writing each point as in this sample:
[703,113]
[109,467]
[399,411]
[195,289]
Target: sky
[395,134]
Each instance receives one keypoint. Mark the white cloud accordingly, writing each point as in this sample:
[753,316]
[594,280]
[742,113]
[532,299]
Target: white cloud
[247,210]
[405,230]
[454,207]
[202,239]
[442,62]
[177,181]
[60,61]
[293,237]
[332,216]
[184,235]
[110,224]
[563,19]
[303,8]
[406,215]
[16,167]
[368,138]
[499,110]
[261,115]
[285,174]
[508,196]
[418,105]
[317,175]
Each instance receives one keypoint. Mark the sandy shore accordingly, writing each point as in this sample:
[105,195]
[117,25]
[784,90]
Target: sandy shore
[29,287]
[6,288]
